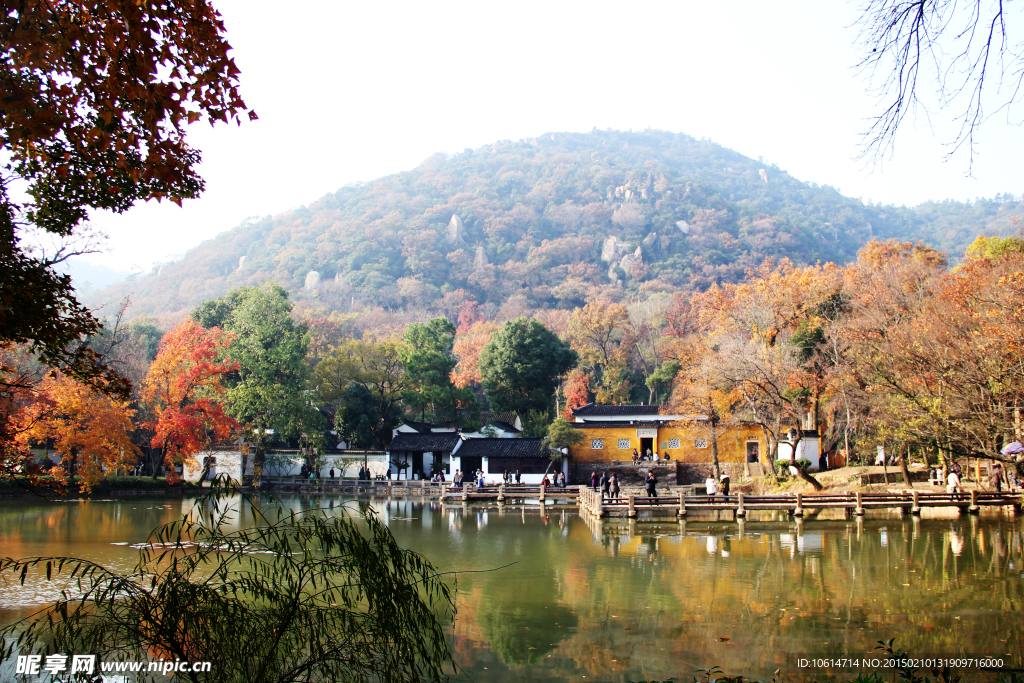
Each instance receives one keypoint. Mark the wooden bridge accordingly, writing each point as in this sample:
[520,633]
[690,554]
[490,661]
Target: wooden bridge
[502,493]
[680,504]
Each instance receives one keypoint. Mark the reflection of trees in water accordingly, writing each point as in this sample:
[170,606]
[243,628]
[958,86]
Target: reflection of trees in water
[522,618]
[829,588]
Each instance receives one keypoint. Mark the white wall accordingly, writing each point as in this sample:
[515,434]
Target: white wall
[496,477]
[808,448]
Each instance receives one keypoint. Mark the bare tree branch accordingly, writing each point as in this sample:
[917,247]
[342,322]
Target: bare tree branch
[968,54]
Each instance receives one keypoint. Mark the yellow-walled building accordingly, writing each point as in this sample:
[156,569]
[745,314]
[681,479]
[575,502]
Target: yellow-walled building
[612,432]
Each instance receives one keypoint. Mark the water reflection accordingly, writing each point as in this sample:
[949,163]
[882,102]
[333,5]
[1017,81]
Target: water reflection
[544,595]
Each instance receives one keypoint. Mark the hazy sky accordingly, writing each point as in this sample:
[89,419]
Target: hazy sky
[350,91]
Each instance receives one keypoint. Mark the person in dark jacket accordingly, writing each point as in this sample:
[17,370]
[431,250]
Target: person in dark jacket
[605,483]
[613,488]
[724,485]
[651,482]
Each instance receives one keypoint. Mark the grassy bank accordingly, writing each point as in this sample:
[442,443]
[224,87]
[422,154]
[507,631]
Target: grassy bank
[106,486]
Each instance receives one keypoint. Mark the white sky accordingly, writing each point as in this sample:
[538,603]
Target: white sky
[353,91]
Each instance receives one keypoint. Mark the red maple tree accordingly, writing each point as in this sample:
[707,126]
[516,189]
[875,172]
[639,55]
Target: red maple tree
[184,389]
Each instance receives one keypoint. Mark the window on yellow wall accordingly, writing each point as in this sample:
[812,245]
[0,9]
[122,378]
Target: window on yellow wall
[673,443]
[623,444]
[596,444]
[700,443]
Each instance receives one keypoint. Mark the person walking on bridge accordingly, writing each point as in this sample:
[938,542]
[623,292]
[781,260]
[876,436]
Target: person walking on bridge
[605,484]
[995,477]
[593,480]
[613,488]
[711,487]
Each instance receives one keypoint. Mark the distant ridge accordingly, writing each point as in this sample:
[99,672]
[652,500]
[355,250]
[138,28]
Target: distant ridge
[543,224]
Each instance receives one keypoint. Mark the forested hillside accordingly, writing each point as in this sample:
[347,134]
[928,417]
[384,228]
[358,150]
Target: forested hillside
[547,223]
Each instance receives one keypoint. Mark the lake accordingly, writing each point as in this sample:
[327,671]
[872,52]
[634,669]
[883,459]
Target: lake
[569,598]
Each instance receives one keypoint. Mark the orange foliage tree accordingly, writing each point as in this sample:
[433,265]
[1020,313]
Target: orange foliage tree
[89,430]
[468,345]
[577,392]
[600,333]
[184,388]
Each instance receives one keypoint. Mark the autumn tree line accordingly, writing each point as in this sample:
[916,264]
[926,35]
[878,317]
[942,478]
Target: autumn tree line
[897,349]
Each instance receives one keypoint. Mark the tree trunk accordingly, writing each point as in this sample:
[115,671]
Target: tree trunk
[207,462]
[771,453]
[72,466]
[259,457]
[714,450]
[943,462]
[800,470]
[904,452]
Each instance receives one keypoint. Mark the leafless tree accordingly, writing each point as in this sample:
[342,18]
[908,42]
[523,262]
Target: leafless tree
[964,47]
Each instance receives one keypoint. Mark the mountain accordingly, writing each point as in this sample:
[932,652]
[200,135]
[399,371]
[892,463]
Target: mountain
[89,276]
[545,222]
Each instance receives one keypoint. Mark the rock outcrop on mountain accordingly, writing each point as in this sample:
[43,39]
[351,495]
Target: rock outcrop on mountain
[547,223]
[456,232]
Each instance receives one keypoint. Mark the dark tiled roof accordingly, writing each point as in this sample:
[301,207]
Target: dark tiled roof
[421,427]
[422,443]
[508,417]
[503,448]
[593,410]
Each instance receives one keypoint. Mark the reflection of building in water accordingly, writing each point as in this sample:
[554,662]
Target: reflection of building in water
[811,542]
[956,543]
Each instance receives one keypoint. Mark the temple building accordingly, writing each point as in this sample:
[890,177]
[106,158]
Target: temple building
[612,432]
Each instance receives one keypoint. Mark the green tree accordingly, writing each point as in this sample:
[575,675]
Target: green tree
[376,365]
[358,417]
[429,362]
[521,366]
[268,395]
[994,247]
[313,596]
[561,434]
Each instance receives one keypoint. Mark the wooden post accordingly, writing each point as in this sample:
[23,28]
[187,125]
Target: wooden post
[740,511]
[632,506]
[916,509]
[682,503]
[859,510]
[501,493]
[974,509]
[798,511]
[542,493]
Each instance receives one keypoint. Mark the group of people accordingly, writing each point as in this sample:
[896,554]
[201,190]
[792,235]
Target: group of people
[649,455]
[995,479]
[714,486]
[609,486]
[559,481]
[508,477]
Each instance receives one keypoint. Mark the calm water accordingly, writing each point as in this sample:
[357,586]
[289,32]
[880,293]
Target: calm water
[617,600]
